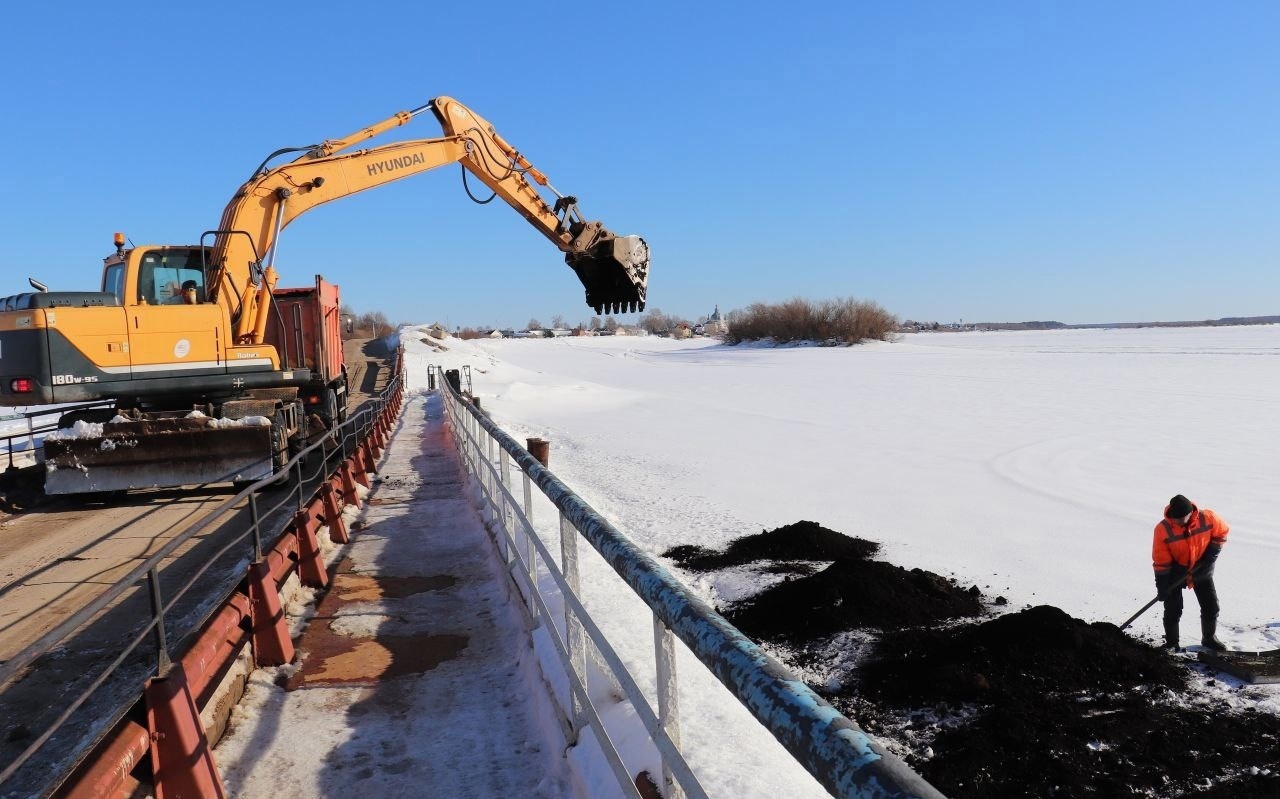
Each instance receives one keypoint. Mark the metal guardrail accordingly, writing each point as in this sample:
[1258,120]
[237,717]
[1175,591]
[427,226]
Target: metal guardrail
[147,576]
[843,758]
[35,423]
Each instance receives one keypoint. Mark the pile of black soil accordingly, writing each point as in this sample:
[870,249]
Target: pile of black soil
[1028,704]
[801,541]
[849,594]
[1060,707]
[1018,657]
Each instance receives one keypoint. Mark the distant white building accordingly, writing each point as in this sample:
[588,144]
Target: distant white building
[715,324]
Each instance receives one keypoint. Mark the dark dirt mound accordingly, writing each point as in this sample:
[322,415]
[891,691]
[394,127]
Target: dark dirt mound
[852,593]
[1028,704]
[1017,657]
[801,541]
[1063,708]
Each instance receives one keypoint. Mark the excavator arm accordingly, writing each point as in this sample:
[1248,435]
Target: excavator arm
[613,269]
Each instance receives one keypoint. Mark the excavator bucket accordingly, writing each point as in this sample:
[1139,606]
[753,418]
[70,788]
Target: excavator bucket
[156,452]
[615,272]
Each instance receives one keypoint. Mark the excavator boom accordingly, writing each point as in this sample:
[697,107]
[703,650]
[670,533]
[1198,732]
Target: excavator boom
[215,374]
[613,269]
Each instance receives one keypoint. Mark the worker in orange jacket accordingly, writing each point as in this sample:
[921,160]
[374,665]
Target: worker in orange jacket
[1184,548]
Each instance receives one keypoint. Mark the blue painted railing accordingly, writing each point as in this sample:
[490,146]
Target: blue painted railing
[843,758]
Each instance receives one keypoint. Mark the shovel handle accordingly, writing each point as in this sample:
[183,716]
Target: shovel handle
[1168,590]
[1142,610]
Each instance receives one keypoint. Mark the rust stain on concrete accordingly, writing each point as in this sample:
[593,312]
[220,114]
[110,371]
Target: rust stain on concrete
[368,588]
[330,659]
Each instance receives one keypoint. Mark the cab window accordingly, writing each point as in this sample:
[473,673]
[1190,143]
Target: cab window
[113,281]
[163,273]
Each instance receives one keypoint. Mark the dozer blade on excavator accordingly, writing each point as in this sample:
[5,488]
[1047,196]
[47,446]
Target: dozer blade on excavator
[615,272]
[157,453]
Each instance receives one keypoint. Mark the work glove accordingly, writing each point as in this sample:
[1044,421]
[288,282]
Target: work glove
[1204,566]
[1166,581]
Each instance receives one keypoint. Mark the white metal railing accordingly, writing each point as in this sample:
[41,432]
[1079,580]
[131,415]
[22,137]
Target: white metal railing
[573,633]
[838,754]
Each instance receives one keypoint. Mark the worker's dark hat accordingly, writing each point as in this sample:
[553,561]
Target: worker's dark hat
[1179,506]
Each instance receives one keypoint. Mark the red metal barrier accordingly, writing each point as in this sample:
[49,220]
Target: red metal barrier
[358,470]
[369,460]
[109,771]
[181,760]
[333,514]
[350,495]
[272,645]
[220,639]
[311,569]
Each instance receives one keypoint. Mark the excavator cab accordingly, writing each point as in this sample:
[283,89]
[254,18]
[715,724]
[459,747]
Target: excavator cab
[615,273]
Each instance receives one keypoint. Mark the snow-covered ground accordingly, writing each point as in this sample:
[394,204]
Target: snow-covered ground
[1031,464]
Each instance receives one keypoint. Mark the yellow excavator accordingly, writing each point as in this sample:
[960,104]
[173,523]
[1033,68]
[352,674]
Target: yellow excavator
[214,372]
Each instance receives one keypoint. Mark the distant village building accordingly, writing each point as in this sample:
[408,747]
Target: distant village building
[715,325]
[437,330]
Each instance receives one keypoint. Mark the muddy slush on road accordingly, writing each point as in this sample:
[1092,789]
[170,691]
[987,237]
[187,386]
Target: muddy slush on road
[983,701]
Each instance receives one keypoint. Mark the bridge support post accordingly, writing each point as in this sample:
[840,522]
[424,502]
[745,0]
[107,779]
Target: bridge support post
[311,568]
[350,495]
[333,514]
[356,459]
[271,643]
[181,762]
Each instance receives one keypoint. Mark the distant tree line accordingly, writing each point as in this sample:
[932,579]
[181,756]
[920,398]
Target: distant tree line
[372,324]
[839,321]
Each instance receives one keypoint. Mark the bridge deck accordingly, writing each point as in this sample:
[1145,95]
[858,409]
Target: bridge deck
[417,669]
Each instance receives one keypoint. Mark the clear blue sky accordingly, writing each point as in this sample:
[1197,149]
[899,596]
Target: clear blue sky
[1082,162]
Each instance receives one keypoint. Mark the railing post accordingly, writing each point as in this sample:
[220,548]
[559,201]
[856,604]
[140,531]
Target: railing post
[573,634]
[257,531]
[664,644]
[531,550]
[157,610]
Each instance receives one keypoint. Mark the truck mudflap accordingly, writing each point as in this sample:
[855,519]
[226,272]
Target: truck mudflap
[157,453]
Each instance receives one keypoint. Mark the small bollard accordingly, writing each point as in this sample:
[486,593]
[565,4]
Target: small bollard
[476,402]
[539,448]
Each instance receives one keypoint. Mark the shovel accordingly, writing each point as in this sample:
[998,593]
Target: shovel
[1159,596]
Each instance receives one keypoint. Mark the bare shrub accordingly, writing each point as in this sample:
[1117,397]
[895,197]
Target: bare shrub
[838,321]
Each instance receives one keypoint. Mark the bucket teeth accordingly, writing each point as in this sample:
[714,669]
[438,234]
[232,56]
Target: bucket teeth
[614,272]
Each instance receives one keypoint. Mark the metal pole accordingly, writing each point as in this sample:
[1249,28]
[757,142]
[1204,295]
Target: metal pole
[664,644]
[297,468]
[529,534]
[257,531]
[574,636]
[157,610]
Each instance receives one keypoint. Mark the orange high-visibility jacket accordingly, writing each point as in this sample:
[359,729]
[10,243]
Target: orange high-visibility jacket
[1173,544]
